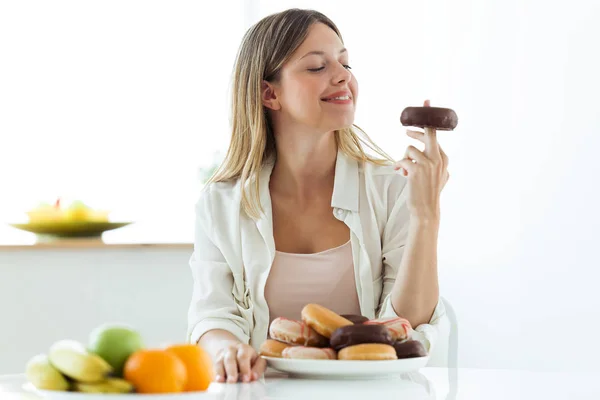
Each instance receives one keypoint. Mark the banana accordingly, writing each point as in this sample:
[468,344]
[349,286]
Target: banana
[73,360]
[44,375]
[110,385]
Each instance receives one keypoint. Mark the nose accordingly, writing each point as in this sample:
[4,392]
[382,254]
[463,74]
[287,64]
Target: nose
[342,75]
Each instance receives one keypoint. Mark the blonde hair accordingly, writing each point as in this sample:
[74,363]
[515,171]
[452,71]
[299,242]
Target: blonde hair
[265,48]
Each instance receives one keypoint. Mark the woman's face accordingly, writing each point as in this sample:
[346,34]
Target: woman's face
[316,88]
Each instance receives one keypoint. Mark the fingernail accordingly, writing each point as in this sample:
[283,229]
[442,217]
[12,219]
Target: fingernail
[255,375]
[232,379]
[218,378]
[246,378]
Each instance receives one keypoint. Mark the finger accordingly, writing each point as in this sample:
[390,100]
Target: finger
[258,368]
[398,167]
[406,165]
[415,154]
[427,103]
[420,136]
[445,159]
[432,147]
[219,371]
[244,357]
[231,367]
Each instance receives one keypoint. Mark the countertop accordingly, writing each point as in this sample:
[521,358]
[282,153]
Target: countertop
[428,383]
[79,244]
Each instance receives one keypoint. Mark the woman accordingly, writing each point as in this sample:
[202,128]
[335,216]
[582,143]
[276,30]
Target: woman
[298,213]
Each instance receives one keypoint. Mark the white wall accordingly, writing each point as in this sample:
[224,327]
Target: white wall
[521,211]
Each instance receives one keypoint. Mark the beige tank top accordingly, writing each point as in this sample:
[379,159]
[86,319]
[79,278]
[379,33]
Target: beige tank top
[325,278]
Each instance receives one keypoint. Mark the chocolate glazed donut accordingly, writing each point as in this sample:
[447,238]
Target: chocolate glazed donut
[442,119]
[358,334]
[409,349]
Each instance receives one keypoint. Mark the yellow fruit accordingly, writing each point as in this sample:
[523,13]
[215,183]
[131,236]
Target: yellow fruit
[44,375]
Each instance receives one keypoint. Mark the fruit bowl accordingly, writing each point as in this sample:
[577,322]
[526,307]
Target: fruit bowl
[116,364]
[69,229]
[213,392]
[75,220]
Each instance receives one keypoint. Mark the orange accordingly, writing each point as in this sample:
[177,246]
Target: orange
[155,371]
[198,363]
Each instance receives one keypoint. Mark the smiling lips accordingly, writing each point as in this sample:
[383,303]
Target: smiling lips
[339,98]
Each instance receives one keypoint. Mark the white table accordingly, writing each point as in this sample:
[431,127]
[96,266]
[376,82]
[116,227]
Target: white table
[429,383]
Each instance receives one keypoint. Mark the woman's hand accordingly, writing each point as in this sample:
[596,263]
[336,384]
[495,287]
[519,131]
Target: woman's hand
[427,174]
[238,362]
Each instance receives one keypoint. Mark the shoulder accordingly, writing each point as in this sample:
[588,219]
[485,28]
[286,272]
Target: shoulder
[218,192]
[218,200]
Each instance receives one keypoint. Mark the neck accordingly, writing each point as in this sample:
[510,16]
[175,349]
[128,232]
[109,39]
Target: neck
[305,163]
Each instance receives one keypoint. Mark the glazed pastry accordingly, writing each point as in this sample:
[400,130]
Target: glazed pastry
[272,348]
[443,119]
[323,320]
[358,334]
[295,332]
[368,351]
[309,353]
[409,349]
[355,319]
[399,327]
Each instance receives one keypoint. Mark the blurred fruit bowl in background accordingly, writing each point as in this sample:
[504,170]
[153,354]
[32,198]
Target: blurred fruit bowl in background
[71,221]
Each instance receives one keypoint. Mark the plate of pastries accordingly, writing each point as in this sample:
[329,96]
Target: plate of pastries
[324,344]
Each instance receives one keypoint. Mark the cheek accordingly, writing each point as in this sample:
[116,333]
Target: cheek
[303,96]
[354,88]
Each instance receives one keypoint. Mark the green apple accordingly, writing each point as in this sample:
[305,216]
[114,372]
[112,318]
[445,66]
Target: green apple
[115,343]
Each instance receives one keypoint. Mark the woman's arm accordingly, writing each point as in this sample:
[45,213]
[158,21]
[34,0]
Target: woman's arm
[213,305]
[416,292]
[214,318]
[410,263]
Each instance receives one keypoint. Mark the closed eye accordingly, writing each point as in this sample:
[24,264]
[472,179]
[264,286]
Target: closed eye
[322,68]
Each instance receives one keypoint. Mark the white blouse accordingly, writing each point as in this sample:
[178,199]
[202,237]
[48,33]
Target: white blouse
[233,253]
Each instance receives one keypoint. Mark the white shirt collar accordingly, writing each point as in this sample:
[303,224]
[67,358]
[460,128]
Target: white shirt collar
[345,184]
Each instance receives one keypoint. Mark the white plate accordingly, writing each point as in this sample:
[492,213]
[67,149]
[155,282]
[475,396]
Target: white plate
[213,392]
[341,369]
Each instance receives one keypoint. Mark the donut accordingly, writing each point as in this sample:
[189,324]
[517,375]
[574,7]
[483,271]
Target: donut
[295,332]
[323,320]
[368,351]
[399,327]
[443,119]
[272,348]
[355,319]
[409,349]
[309,353]
[358,334]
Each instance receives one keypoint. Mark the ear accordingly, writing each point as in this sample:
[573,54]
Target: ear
[268,96]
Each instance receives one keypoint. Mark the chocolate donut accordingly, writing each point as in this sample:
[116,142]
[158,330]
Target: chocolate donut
[443,119]
[359,334]
[409,349]
[355,319]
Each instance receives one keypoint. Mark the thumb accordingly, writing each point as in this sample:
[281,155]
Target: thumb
[258,368]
